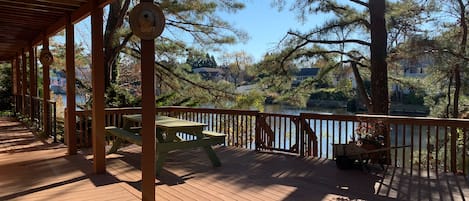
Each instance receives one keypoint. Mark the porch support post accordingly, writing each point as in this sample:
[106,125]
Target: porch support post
[13,83]
[70,76]
[148,118]
[13,73]
[97,72]
[32,88]
[45,89]
[14,78]
[24,81]
[18,83]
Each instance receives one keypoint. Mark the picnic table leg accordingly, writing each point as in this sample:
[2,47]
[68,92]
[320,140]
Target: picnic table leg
[160,158]
[115,146]
[213,156]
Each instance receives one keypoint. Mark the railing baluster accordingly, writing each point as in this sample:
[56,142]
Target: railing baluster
[327,138]
[428,151]
[437,147]
[403,143]
[420,149]
[464,150]
[320,137]
[412,148]
[446,150]
[395,144]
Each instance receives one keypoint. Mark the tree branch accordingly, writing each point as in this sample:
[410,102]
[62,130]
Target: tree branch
[330,42]
[360,3]
[210,90]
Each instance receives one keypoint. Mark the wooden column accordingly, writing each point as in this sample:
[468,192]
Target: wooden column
[97,72]
[18,83]
[70,76]
[148,118]
[32,87]
[14,75]
[24,81]
[13,83]
[46,89]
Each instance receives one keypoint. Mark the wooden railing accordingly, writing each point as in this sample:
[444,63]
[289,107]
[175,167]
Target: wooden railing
[33,111]
[431,144]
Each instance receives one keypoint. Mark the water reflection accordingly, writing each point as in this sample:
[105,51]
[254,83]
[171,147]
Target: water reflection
[292,110]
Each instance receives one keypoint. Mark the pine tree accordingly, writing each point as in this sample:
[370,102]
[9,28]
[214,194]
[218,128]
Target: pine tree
[196,19]
[367,45]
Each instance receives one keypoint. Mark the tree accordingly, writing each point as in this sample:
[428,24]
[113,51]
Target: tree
[238,64]
[186,19]
[6,86]
[459,36]
[196,59]
[365,46]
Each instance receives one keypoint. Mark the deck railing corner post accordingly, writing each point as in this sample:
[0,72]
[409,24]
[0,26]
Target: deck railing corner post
[301,141]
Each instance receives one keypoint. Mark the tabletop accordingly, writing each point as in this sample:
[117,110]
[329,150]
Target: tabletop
[166,122]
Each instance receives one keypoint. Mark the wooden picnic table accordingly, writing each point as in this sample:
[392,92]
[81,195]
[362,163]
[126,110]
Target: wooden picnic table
[167,139]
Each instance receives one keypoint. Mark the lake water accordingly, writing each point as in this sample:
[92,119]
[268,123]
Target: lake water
[291,110]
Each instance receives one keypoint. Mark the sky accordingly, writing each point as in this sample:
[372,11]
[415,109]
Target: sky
[264,24]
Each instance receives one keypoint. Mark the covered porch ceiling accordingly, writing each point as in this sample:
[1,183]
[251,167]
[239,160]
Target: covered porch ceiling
[24,23]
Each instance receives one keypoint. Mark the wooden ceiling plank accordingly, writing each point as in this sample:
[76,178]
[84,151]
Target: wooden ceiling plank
[62,2]
[19,9]
[8,21]
[34,3]
[76,16]
[28,18]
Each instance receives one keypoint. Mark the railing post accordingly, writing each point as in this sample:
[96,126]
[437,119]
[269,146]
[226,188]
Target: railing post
[53,121]
[301,141]
[258,131]
[453,150]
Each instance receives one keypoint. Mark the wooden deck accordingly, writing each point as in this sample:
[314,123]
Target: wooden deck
[32,170]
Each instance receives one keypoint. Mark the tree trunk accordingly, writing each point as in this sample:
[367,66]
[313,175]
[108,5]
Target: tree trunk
[361,88]
[462,51]
[379,70]
[112,44]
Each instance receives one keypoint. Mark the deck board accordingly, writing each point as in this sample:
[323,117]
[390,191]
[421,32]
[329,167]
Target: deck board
[43,171]
[31,169]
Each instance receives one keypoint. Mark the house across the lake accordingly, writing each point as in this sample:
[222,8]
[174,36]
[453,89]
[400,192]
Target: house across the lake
[303,74]
[210,73]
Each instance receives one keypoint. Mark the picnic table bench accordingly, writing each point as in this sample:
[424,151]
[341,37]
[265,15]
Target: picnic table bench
[166,138]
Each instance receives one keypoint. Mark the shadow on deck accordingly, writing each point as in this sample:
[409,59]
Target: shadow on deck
[250,175]
[37,170]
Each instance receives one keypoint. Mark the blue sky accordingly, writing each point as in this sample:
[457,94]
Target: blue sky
[266,26]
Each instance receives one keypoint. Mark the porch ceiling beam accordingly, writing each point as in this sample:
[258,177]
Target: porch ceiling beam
[76,16]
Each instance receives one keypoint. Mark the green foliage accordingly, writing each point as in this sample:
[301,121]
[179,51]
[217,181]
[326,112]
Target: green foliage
[198,61]
[413,98]
[119,97]
[250,100]
[5,87]
[330,94]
